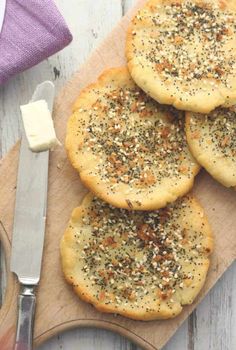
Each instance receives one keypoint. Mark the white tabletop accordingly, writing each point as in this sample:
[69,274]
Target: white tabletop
[213,325]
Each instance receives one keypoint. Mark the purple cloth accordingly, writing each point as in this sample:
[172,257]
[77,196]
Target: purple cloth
[32,31]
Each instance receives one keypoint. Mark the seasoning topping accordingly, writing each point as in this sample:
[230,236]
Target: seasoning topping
[139,141]
[128,255]
[130,151]
[191,40]
[189,48]
[219,128]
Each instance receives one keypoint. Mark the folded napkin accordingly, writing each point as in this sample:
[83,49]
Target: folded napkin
[32,31]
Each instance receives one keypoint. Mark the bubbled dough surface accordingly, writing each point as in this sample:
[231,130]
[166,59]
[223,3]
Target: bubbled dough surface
[222,168]
[72,264]
[85,162]
[144,74]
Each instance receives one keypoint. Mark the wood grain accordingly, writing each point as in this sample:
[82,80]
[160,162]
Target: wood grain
[65,62]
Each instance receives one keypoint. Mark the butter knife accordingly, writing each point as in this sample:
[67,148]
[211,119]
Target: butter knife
[29,226]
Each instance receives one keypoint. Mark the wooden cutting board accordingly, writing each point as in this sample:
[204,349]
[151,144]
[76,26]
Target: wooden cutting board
[58,308]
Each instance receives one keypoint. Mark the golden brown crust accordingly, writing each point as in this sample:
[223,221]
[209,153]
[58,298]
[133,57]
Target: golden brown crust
[198,83]
[163,268]
[129,150]
[212,141]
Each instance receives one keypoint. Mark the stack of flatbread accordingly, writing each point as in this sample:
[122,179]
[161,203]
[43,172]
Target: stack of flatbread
[139,244]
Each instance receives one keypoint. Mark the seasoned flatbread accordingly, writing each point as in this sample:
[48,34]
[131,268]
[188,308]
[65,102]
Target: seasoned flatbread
[129,150]
[142,265]
[183,52]
[212,140]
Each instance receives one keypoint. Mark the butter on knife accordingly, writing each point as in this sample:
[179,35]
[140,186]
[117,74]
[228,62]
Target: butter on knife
[38,125]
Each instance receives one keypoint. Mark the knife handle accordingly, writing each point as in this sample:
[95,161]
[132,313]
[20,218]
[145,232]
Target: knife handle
[25,322]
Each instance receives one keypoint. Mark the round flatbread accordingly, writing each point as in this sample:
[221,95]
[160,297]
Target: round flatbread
[212,141]
[142,265]
[183,52]
[129,150]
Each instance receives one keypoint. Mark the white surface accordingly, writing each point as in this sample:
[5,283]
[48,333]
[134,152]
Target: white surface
[213,325]
[2,13]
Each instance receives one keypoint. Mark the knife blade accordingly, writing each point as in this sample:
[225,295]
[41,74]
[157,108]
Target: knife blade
[29,225]
[30,204]
[2,12]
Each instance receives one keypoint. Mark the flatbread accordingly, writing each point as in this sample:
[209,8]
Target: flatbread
[142,265]
[212,140]
[129,150]
[183,53]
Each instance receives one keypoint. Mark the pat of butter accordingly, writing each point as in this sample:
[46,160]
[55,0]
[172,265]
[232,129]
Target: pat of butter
[38,125]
